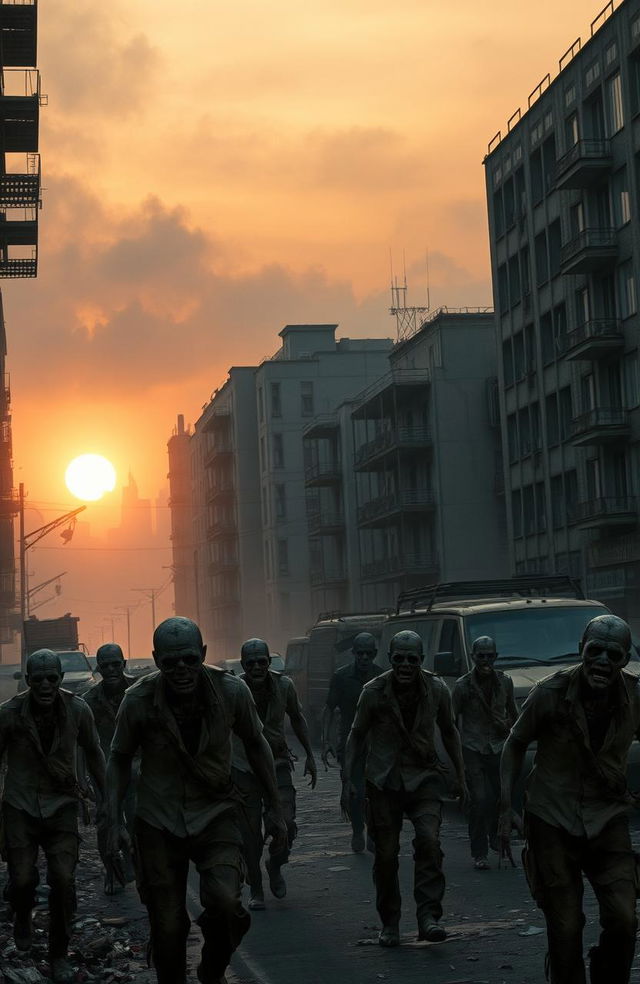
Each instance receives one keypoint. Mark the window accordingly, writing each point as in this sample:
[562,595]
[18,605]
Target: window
[627,290]
[571,494]
[553,419]
[276,405]
[583,307]
[560,326]
[509,204]
[281,501]
[512,437]
[278,451]
[507,362]
[547,339]
[450,639]
[549,162]
[621,203]
[529,349]
[558,508]
[260,404]
[555,246]
[525,432]
[541,508]
[525,272]
[516,512]
[587,392]
[306,399]
[518,356]
[528,511]
[263,456]
[634,83]
[265,506]
[503,288]
[537,182]
[565,412]
[514,280]
[498,214]
[542,260]
[615,113]
[571,131]
[536,427]
[631,380]
[283,557]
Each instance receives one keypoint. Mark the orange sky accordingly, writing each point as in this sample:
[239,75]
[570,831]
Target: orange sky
[212,171]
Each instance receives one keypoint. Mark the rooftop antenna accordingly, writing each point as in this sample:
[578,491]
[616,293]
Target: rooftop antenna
[408,319]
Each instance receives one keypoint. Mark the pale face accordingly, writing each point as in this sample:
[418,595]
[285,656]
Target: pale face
[483,660]
[364,657]
[405,663]
[603,659]
[44,684]
[111,669]
[256,667]
[181,666]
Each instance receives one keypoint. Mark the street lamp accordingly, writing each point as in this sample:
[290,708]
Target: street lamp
[28,540]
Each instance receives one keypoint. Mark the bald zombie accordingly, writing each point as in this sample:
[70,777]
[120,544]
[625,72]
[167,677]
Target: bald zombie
[395,722]
[484,708]
[41,731]
[576,819]
[344,692]
[181,720]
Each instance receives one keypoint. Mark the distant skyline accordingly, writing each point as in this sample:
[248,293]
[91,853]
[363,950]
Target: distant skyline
[214,171]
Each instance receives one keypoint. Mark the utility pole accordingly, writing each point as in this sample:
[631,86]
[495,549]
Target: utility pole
[151,594]
[127,609]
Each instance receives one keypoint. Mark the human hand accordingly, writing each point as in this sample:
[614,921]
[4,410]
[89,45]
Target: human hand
[505,820]
[327,750]
[276,828]
[349,793]
[463,794]
[311,770]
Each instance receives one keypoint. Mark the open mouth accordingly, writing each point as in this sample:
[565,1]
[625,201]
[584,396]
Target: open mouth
[601,677]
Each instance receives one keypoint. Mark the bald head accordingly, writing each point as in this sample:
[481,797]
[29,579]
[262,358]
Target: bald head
[110,650]
[175,633]
[43,661]
[608,628]
[605,649]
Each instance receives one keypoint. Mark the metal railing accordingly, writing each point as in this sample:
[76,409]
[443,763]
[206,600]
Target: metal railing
[583,150]
[589,239]
[390,439]
[335,575]
[324,519]
[599,417]
[406,563]
[593,329]
[605,506]
[396,377]
[396,502]
[322,469]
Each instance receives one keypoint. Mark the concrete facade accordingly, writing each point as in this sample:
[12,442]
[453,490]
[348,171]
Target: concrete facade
[563,192]
[427,449]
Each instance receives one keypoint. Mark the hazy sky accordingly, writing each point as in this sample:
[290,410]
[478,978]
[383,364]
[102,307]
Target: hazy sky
[213,170]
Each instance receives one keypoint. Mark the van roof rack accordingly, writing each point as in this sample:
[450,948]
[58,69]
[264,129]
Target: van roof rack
[325,616]
[539,586]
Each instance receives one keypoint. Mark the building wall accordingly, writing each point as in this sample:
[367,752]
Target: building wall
[563,201]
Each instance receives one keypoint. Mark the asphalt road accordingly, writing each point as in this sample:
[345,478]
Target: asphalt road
[325,930]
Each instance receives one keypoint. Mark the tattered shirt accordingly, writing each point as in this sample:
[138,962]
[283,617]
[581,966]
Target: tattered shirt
[396,757]
[104,711]
[570,785]
[344,692]
[39,782]
[484,718]
[281,700]
[179,792]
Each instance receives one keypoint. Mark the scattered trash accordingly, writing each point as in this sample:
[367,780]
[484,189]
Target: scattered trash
[531,931]
[340,867]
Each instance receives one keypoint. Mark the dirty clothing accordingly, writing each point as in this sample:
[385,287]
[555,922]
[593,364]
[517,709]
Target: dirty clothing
[278,699]
[484,724]
[555,862]
[398,758]
[253,823]
[403,776]
[344,692]
[484,715]
[570,785]
[57,835]
[187,811]
[178,792]
[41,782]
[162,865]
[385,812]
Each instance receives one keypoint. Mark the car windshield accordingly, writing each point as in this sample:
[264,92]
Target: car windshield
[74,662]
[536,635]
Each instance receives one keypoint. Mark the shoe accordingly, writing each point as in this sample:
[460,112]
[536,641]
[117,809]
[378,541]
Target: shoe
[61,970]
[481,864]
[256,900]
[432,932]
[209,980]
[357,842]
[277,883]
[389,936]
[22,931]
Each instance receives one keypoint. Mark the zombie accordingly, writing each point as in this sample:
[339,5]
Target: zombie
[344,691]
[41,731]
[182,719]
[395,720]
[577,802]
[484,708]
[276,698]
[104,699]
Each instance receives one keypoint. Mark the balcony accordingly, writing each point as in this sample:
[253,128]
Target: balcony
[386,508]
[218,418]
[391,440]
[220,450]
[20,110]
[590,250]
[18,35]
[223,490]
[408,565]
[224,565]
[322,425]
[328,578]
[600,426]
[587,161]
[322,473]
[610,512]
[593,339]
[22,190]
[379,399]
[324,522]
[221,528]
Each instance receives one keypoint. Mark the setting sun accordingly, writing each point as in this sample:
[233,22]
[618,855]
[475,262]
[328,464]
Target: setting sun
[89,476]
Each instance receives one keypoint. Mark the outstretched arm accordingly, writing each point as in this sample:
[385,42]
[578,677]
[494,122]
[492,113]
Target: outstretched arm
[301,731]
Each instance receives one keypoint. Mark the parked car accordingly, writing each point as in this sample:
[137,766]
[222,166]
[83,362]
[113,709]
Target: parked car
[235,665]
[536,623]
[296,666]
[78,675]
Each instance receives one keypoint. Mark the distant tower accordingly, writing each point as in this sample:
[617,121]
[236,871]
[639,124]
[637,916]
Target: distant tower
[408,319]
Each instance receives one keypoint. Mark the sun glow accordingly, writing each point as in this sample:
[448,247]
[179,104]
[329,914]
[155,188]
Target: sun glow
[89,476]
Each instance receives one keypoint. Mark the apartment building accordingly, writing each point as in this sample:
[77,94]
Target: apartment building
[563,193]
[427,446]
[181,521]
[308,378]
